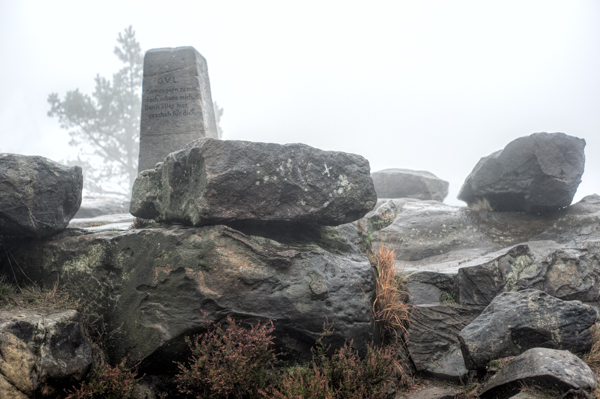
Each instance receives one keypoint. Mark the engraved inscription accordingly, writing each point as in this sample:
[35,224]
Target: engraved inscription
[171,101]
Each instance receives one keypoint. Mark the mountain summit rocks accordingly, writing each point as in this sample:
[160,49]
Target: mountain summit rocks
[219,181]
[38,197]
[536,173]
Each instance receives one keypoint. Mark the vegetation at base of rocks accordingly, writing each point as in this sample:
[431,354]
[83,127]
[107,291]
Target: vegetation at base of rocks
[139,223]
[390,308]
[343,375]
[481,205]
[448,298]
[106,382]
[33,297]
[234,362]
[383,220]
[231,362]
[592,359]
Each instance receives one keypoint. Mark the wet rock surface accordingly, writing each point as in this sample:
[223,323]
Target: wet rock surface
[554,369]
[151,286]
[42,350]
[38,197]
[220,181]
[406,183]
[433,339]
[536,173]
[517,321]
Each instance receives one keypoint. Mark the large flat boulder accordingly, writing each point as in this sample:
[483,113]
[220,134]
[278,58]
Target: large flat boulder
[406,183]
[536,173]
[148,288]
[553,369]
[517,321]
[38,197]
[214,181]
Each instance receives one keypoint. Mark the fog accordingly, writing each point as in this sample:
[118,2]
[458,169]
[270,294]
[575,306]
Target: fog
[424,85]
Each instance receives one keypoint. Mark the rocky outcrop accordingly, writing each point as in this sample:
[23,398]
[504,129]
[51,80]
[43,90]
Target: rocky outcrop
[537,173]
[552,369]
[42,351]
[151,286]
[517,321]
[433,339]
[223,181]
[443,238]
[405,183]
[38,197]
[568,272]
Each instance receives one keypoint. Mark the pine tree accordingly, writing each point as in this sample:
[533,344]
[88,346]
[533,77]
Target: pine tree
[106,125]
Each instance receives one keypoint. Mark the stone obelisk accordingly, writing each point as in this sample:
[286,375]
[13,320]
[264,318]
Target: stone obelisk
[177,107]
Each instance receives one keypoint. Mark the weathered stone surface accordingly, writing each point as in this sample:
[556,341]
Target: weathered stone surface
[517,321]
[405,183]
[537,173]
[120,221]
[93,206]
[51,349]
[177,106]
[17,364]
[38,197]
[56,337]
[443,238]
[224,181]
[432,393]
[150,286]
[430,288]
[567,272]
[9,391]
[433,343]
[541,366]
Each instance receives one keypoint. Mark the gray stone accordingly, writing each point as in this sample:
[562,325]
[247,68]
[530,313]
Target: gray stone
[225,181]
[443,238]
[121,221]
[430,288]
[38,197]
[536,173]
[433,339]
[567,272]
[558,370]
[44,350]
[433,393]
[149,286]
[177,106]
[405,183]
[517,321]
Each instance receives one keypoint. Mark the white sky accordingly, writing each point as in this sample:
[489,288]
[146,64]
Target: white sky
[425,85]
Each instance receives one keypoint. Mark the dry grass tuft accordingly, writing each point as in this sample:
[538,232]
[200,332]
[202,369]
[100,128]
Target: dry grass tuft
[482,204]
[34,297]
[592,359]
[390,309]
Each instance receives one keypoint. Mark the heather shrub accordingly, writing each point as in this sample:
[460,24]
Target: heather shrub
[107,382]
[230,362]
[345,375]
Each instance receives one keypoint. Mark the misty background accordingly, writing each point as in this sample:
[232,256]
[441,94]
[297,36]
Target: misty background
[423,85]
